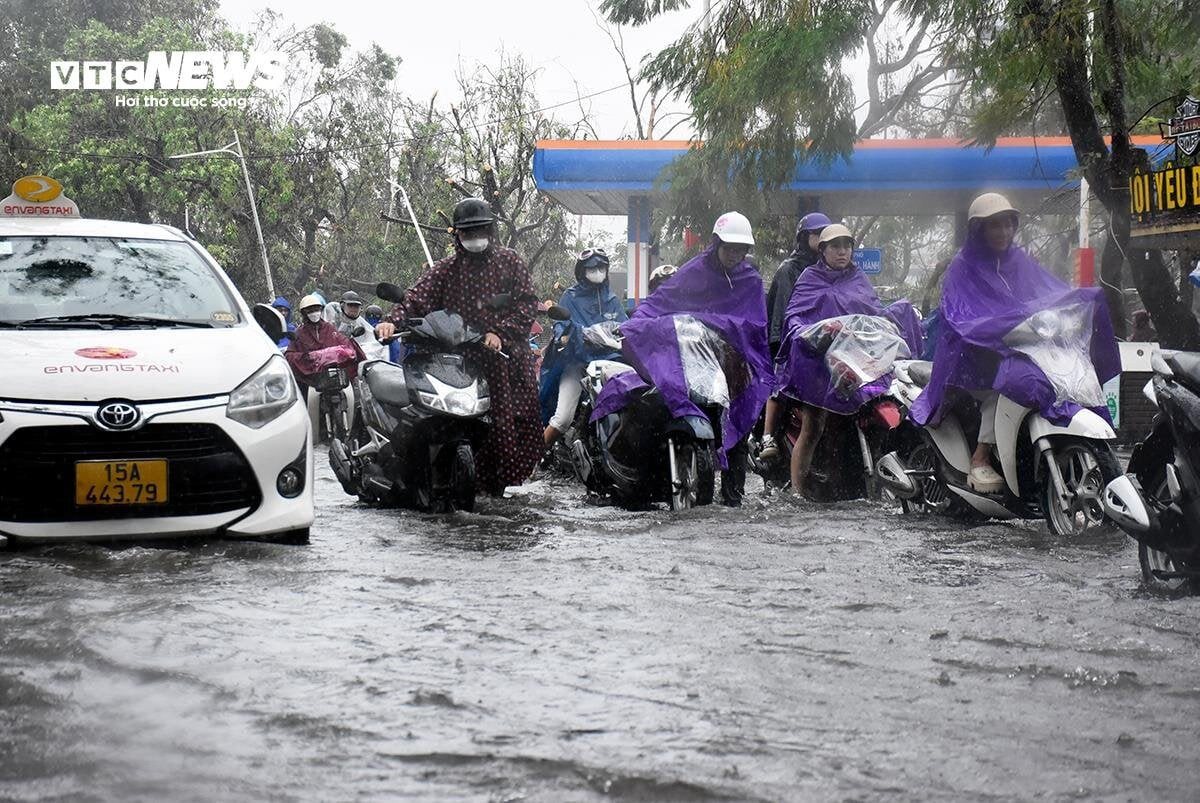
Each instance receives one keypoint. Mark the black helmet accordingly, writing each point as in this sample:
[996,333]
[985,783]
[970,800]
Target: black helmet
[588,259]
[351,297]
[373,311]
[470,213]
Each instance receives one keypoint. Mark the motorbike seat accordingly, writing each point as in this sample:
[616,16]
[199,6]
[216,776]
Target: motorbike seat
[921,371]
[1186,366]
[386,382]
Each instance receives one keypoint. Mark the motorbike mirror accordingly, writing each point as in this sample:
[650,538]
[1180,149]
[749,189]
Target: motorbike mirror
[270,320]
[558,313]
[390,292]
[501,300]
[357,331]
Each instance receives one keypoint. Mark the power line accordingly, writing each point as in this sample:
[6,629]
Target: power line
[341,149]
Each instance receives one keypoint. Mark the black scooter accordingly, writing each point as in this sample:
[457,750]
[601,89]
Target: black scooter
[642,454]
[420,423]
[1157,500]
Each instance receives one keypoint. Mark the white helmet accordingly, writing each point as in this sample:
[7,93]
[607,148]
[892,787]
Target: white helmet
[733,227]
[660,275]
[833,232]
[990,204]
[310,301]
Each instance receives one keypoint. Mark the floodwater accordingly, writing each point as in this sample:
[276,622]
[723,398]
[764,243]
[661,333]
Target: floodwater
[547,649]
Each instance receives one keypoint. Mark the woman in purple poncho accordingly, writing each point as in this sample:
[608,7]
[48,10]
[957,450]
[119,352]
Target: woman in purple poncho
[991,286]
[833,287]
[723,290]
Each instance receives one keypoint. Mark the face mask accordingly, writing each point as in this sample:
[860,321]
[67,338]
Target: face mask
[596,275]
[313,316]
[475,245]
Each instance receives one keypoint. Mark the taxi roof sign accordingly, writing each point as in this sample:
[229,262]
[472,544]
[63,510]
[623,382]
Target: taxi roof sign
[37,196]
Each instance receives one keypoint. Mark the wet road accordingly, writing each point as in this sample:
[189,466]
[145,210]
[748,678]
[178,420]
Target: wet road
[544,649]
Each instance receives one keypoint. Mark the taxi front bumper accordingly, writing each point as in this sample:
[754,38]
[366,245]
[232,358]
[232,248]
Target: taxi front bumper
[222,475]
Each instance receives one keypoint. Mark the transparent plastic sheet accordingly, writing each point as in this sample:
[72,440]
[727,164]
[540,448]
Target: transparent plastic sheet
[1059,341]
[603,336]
[858,349]
[702,352]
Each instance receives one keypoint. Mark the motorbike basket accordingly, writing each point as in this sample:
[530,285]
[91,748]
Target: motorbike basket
[331,378]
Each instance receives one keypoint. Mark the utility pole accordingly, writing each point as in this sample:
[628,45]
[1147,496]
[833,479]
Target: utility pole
[234,149]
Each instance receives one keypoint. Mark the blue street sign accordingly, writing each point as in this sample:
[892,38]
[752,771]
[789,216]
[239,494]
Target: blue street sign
[869,260]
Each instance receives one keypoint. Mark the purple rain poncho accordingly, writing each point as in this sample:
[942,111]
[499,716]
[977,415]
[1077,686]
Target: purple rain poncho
[821,293]
[731,303]
[984,297]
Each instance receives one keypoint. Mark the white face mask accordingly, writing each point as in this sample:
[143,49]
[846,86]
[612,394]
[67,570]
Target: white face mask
[313,316]
[595,275]
[475,245]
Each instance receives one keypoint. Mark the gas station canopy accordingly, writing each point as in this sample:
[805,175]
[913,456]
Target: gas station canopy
[882,177]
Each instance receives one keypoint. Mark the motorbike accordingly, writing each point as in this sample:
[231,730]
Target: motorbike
[1157,500]
[641,454]
[858,349]
[1051,471]
[598,340]
[420,423]
[331,381]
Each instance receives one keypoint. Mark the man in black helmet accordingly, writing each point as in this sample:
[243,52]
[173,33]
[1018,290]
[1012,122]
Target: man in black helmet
[466,283]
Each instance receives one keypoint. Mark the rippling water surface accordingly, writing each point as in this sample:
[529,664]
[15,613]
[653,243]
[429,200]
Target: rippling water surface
[546,649]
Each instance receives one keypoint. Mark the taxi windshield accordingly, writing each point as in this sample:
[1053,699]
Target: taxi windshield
[109,282]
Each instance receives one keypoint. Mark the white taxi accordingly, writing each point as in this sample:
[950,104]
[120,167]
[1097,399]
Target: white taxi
[141,396]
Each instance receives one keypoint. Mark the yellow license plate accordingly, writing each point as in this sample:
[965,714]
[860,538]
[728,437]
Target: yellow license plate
[121,482]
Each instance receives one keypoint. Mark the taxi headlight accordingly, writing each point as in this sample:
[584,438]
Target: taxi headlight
[264,396]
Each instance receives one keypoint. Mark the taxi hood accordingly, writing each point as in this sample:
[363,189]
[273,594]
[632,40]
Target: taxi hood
[90,365]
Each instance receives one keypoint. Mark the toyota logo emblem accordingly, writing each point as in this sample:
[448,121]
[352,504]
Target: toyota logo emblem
[118,415]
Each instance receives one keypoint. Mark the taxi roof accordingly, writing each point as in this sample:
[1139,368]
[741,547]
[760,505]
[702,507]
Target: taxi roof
[20,226]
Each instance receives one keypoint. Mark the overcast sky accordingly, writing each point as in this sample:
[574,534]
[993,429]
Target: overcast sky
[561,39]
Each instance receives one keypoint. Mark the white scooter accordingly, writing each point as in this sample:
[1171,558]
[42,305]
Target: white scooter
[1051,471]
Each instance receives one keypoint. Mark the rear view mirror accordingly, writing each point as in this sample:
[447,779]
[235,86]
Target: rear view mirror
[357,331]
[270,320]
[390,292]
[558,313]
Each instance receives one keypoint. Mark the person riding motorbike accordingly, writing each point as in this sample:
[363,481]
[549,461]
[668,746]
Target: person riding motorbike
[316,334]
[351,311]
[284,308]
[805,253]
[722,290]
[991,286]
[590,301]
[467,283]
[831,288]
[373,313]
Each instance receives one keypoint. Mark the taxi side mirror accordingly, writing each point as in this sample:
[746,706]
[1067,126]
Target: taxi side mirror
[270,320]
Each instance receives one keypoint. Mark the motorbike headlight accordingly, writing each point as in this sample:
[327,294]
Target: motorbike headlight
[264,396]
[455,401]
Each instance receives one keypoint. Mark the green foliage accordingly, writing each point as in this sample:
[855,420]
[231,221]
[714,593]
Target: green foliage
[320,153]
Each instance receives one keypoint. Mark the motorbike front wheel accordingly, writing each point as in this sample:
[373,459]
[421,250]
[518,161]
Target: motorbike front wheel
[1086,466]
[462,479]
[692,473]
[1158,566]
